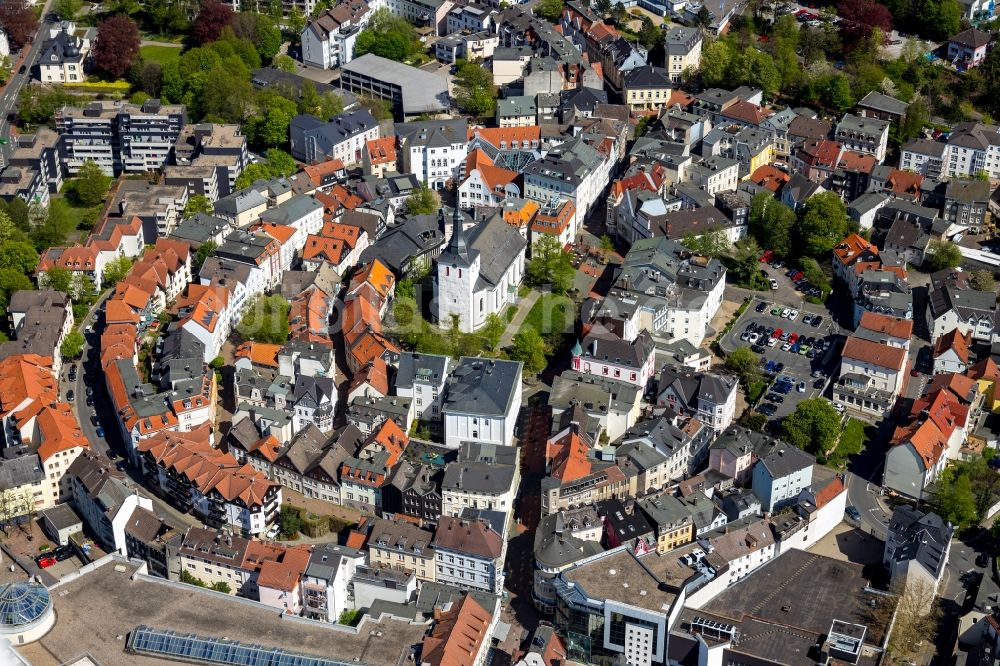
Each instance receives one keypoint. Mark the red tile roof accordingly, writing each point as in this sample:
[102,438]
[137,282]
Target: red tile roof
[886,325]
[874,353]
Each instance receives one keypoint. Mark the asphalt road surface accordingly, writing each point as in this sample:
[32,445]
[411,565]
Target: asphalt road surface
[8,99]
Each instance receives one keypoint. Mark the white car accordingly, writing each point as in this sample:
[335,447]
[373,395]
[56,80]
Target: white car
[793,315]
[786,346]
[754,337]
[774,284]
[785,313]
[839,407]
[772,342]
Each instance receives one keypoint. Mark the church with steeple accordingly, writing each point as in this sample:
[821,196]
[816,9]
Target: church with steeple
[479,272]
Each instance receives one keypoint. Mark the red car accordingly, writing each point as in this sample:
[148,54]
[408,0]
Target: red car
[793,337]
[44,561]
[767,256]
[914,372]
[777,333]
[798,276]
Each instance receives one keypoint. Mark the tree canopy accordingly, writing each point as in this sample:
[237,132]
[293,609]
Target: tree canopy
[116,270]
[529,348]
[549,10]
[745,365]
[199,203]
[388,36]
[474,90]
[212,18]
[91,184]
[823,223]
[72,345]
[423,201]
[943,254]
[550,265]
[814,426]
[266,320]
[117,45]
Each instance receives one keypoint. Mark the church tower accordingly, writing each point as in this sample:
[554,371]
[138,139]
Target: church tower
[457,275]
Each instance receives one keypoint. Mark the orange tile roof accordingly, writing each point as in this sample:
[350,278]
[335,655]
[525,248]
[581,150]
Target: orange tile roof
[356,539]
[960,386]
[208,310]
[523,215]
[554,222]
[389,437]
[382,150]
[986,370]
[926,439]
[259,353]
[26,377]
[851,248]
[308,316]
[375,374]
[118,311]
[190,455]
[494,177]
[569,457]
[73,258]
[769,177]
[747,112]
[458,635]
[904,182]
[855,161]
[268,447]
[643,180]
[318,248]
[829,491]
[509,136]
[874,353]
[280,567]
[823,153]
[348,233]
[956,340]
[317,171]
[372,345]
[58,431]
[378,275]
[279,232]
[886,325]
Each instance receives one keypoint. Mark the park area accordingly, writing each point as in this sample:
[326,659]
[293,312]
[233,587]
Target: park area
[160,53]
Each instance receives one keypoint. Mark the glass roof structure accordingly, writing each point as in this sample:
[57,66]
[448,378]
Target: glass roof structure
[207,650]
[22,603]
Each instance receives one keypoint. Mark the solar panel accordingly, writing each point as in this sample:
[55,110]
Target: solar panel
[210,650]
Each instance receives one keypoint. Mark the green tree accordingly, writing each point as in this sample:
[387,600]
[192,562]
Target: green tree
[745,365]
[284,63]
[982,280]
[550,265]
[754,421]
[58,278]
[954,500]
[67,9]
[19,255]
[744,264]
[837,93]
[423,201]
[289,522]
[814,426]
[943,254]
[822,224]
[529,348]
[716,57]
[266,320]
[711,243]
[549,10]
[474,90]
[269,126]
[91,184]
[11,280]
[604,7]
[116,270]
[8,230]
[221,586]
[204,252]
[191,579]
[323,106]
[649,35]
[199,203]
[72,345]
[492,331]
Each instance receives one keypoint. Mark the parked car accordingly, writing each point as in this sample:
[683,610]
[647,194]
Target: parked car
[779,368]
[914,372]
[793,315]
[761,307]
[793,337]
[767,409]
[785,312]
[839,407]
[89,392]
[70,395]
[94,420]
[817,320]
[797,275]
[99,432]
[776,311]
[819,383]
[44,561]
[807,319]
[61,553]
[758,349]
[853,513]
[773,283]
[777,333]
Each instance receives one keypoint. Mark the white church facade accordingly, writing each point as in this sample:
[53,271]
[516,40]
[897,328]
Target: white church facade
[478,273]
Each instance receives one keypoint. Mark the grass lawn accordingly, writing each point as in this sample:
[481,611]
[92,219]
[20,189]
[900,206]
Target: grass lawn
[551,315]
[160,54]
[853,438]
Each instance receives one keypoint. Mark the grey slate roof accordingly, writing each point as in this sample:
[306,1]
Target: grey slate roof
[925,537]
[433,133]
[421,368]
[482,386]
[554,547]
[421,91]
[478,477]
[200,228]
[880,102]
[786,460]
[498,245]
[325,560]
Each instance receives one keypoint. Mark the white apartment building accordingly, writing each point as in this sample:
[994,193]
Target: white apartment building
[422,378]
[573,170]
[469,554]
[434,150]
[971,149]
[328,40]
[683,51]
[325,584]
[481,401]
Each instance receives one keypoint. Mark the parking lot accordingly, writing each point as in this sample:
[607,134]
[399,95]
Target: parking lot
[792,351]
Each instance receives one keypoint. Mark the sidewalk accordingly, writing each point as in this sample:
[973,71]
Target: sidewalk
[523,308]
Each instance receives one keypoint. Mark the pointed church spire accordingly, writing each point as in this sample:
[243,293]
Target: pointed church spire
[458,246]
